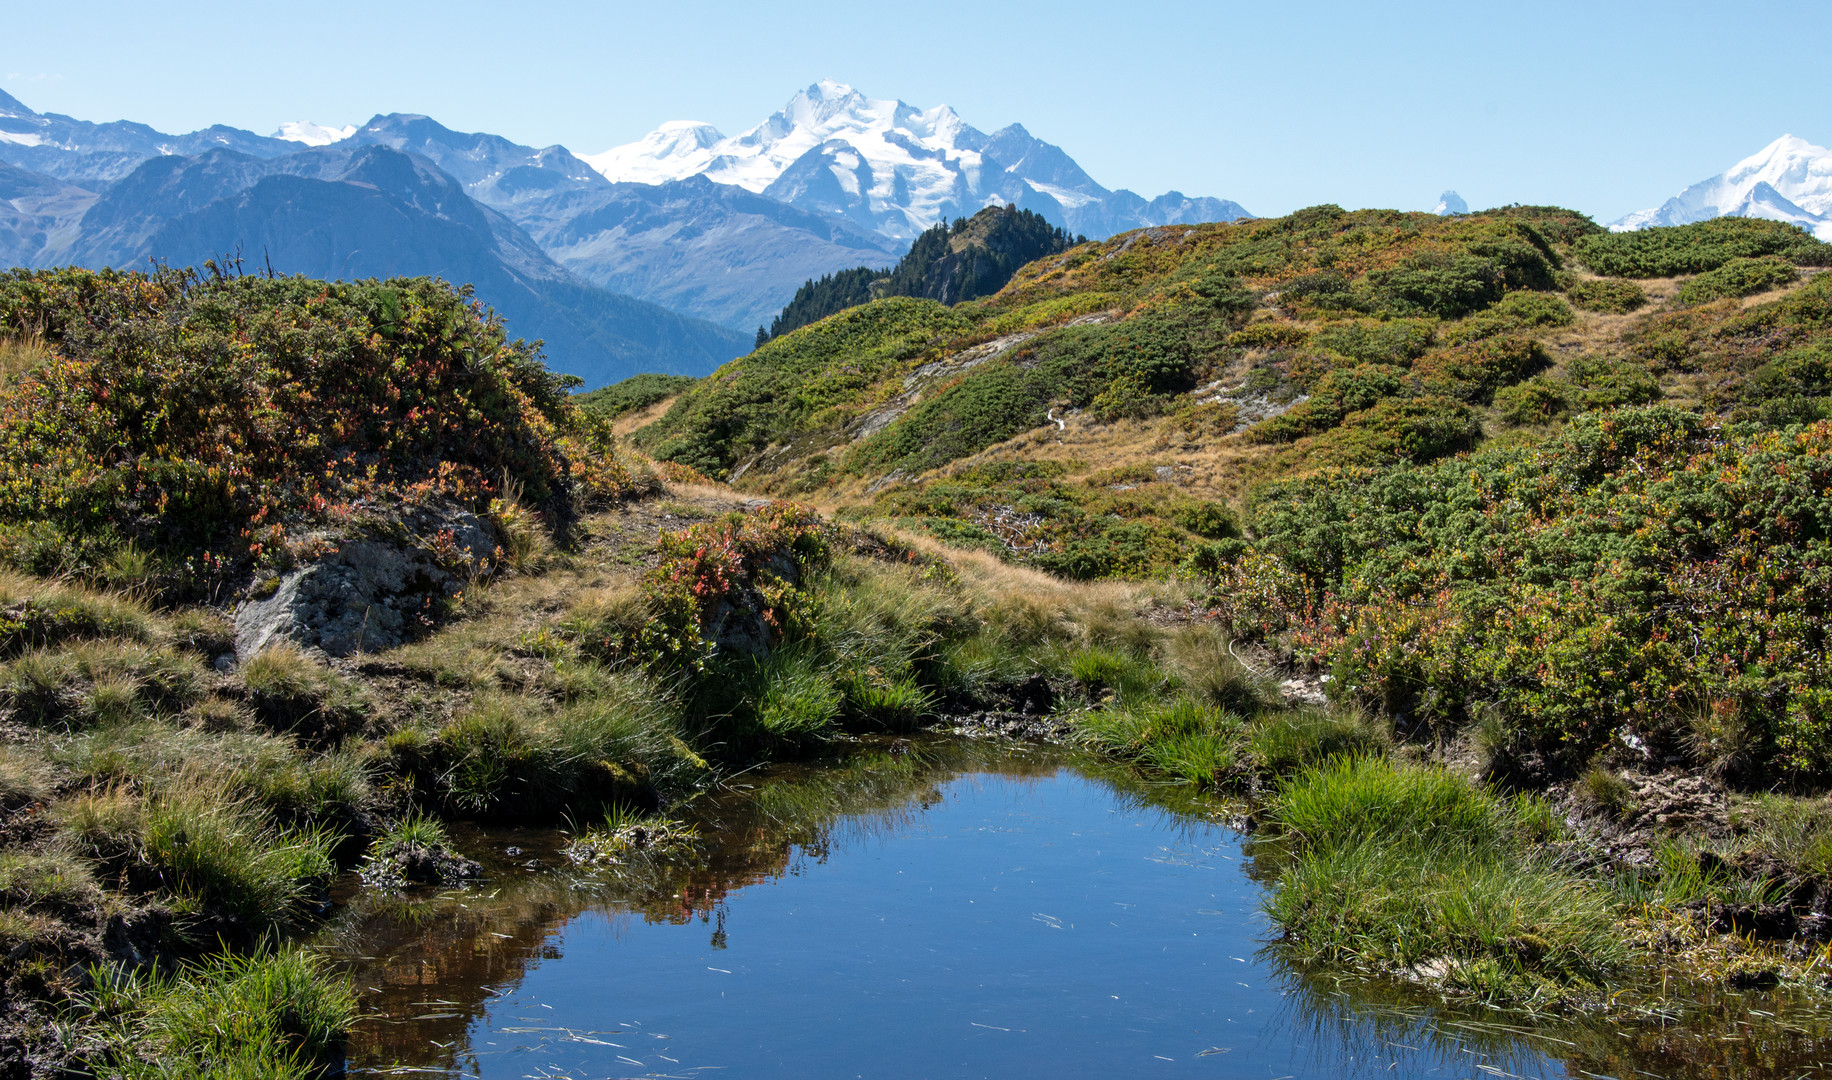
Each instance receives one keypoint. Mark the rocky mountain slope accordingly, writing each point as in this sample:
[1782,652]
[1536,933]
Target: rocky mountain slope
[350,209]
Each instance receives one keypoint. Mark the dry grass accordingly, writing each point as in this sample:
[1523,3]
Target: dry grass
[20,354]
[632,422]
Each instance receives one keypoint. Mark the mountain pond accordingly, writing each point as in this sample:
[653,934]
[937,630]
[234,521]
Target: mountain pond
[948,907]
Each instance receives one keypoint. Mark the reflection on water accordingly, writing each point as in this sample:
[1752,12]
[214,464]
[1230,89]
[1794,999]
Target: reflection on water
[960,909]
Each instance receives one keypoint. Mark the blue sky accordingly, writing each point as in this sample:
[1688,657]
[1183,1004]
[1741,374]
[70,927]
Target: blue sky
[1604,107]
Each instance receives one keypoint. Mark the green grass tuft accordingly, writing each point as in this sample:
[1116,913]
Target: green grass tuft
[1415,871]
[275,1017]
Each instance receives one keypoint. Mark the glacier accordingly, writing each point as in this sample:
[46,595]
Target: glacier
[1789,180]
[894,168]
[304,131]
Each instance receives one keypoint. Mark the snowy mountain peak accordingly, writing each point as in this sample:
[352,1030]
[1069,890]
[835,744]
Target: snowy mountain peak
[892,167]
[676,150]
[1790,179]
[902,164]
[1450,203]
[304,131]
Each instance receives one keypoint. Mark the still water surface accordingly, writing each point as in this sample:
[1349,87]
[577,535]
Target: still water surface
[960,910]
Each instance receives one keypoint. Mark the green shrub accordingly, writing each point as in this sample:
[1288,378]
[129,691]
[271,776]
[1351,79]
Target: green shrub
[1393,341]
[1414,429]
[1473,371]
[1611,296]
[1696,248]
[1738,278]
[168,422]
[1119,549]
[1211,520]
[1536,401]
[1272,334]
[1602,382]
[1588,383]
[1337,394]
[1563,586]
[1793,388]
[1450,286]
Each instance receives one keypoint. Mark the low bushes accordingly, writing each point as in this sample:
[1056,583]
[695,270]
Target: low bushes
[1563,588]
[1696,248]
[196,428]
[1610,296]
[1397,429]
[1587,384]
[1472,372]
[1738,278]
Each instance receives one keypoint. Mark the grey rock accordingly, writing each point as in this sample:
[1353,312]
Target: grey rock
[372,592]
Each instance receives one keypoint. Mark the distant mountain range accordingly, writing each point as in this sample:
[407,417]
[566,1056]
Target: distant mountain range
[1790,179]
[896,169]
[120,194]
[660,256]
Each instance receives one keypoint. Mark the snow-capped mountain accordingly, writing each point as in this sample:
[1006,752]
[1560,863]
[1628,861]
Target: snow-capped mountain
[1450,203]
[674,151]
[895,168]
[304,131]
[1790,179]
[87,154]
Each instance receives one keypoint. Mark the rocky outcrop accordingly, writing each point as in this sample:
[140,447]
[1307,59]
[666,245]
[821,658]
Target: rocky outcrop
[372,589]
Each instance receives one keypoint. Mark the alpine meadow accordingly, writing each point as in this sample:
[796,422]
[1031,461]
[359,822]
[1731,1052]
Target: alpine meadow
[1424,616]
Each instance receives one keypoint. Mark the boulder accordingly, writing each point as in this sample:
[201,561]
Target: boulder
[373,588]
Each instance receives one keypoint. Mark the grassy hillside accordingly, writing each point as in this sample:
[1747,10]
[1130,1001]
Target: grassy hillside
[1193,363]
